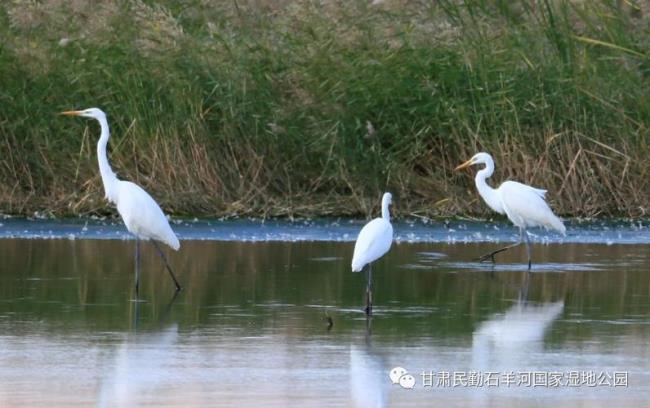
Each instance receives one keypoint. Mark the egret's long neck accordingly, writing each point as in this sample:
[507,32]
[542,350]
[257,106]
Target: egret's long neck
[108,177]
[490,195]
[385,214]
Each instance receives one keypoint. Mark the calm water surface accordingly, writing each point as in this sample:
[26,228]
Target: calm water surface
[249,327]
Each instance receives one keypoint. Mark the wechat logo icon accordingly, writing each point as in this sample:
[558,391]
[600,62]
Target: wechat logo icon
[399,375]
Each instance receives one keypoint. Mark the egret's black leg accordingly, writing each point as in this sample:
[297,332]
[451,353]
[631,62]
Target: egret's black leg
[521,239]
[171,273]
[491,254]
[523,232]
[137,267]
[369,290]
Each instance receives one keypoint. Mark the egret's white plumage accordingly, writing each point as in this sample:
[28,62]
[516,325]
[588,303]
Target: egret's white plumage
[140,213]
[373,242]
[375,238]
[525,207]
[522,204]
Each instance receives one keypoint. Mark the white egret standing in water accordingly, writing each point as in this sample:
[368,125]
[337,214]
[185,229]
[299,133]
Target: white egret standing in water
[140,213]
[373,242]
[524,205]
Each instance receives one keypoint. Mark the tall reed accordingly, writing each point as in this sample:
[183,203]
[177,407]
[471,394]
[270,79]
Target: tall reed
[295,108]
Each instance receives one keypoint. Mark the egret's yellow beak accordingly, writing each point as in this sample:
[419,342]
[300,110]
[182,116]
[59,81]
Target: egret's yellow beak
[464,165]
[71,113]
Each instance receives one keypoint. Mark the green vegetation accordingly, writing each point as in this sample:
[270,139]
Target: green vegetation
[257,107]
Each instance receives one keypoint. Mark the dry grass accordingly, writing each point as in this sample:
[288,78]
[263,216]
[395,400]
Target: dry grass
[298,108]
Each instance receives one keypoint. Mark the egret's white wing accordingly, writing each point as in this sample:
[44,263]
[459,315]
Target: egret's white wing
[142,215]
[526,207]
[374,241]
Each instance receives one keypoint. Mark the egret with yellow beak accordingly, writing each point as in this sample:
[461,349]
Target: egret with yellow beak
[140,213]
[522,204]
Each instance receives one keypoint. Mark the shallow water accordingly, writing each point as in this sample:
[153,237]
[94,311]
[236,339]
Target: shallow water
[249,327]
[342,230]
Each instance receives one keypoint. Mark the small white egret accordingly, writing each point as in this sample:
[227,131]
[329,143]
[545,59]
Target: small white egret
[522,204]
[373,242]
[140,213]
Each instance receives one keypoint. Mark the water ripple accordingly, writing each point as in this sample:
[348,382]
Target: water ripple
[607,232]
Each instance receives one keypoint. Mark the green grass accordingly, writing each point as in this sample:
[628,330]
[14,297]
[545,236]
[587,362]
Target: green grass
[307,108]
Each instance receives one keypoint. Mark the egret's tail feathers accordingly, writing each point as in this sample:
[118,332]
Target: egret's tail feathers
[539,191]
[173,242]
[557,224]
[356,266]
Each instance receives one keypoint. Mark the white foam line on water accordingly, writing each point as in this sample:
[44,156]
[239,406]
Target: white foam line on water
[326,259]
[451,232]
[545,267]
[413,266]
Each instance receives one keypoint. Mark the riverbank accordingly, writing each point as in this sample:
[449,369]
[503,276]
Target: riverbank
[292,108]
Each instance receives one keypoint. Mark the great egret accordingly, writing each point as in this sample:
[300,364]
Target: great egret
[373,242]
[140,213]
[524,205]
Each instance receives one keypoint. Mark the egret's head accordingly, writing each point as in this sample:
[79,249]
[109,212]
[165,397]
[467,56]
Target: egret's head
[387,199]
[478,158]
[94,113]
